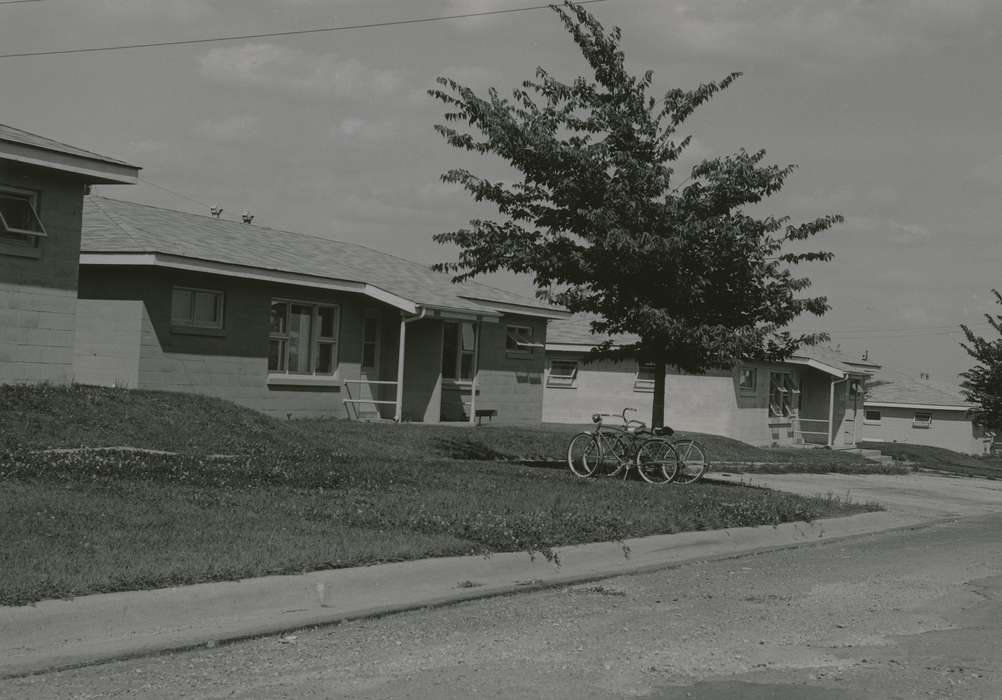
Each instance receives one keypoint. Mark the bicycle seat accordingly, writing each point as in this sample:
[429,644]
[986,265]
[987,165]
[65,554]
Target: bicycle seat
[663,432]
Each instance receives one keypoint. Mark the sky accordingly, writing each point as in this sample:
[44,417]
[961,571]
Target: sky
[890,109]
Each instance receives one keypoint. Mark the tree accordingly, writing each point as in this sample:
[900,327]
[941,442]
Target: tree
[983,382]
[598,222]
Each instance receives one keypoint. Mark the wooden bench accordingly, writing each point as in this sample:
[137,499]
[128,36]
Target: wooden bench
[487,413]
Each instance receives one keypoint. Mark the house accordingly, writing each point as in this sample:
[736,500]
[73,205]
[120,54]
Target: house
[900,408]
[42,185]
[813,397]
[297,325]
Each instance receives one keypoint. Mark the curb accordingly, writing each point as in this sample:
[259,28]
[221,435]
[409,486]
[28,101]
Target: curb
[40,649]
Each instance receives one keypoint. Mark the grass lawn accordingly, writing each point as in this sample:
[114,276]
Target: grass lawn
[299,495]
[941,459]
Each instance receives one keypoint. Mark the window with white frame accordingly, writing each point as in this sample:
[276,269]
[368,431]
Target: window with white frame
[747,378]
[19,221]
[197,308]
[302,338]
[459,347]
[782,393]
[644,381]
[518,340]
[922,420]
[563,373]
[370,341]
[871,416]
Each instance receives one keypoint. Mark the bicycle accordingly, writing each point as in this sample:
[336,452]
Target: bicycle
[611,450]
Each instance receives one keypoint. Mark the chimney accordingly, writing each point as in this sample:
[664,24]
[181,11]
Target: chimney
[216,211]
[247,217]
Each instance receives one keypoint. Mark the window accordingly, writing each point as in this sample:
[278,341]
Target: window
[563,373]
[459,343]
[199,308]
[370,341]
[922,420]
[518,340]
[747,378]
[644,380]
[303,338]
[855,388]
[19,222]
[781,394]
[871,416]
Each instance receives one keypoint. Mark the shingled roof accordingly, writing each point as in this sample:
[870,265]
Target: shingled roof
[26,138]
[112,226]
[890,388]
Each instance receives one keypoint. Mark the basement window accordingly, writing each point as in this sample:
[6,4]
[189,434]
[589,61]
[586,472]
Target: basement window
[871,416]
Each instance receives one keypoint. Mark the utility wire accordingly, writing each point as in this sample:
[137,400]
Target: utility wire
[176,194]
[294,32]
[17,2]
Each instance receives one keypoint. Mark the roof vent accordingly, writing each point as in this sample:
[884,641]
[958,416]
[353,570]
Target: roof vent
[216,211]
[247,217]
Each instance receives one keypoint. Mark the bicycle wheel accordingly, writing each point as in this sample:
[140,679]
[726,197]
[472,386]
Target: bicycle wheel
[583,455]
[657,461]
[692,462]
[615,456]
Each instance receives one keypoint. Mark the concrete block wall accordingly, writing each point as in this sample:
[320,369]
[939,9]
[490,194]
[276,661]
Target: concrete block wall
[38,292]
[231,364]
[706,403]
[511,383]
[953,430]
[108,334]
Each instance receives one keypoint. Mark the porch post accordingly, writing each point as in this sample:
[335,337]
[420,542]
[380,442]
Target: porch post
[401,345]
[476,370]
[831,410]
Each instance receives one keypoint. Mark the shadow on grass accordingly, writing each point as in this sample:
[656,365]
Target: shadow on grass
[467,449]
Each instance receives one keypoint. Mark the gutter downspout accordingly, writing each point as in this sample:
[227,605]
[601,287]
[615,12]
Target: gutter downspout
[476,371]
[831,409]
[401,346]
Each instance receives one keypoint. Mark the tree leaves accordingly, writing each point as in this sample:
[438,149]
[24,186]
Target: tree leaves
[597,223]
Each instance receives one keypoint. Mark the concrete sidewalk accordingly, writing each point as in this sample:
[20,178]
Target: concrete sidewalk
[60,634]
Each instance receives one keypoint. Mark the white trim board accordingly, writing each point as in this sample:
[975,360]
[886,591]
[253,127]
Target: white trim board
[95,170]
[920,406]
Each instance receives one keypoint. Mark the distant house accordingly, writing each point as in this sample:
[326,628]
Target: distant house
[297,325]
[42,184]
[901,408]
[815,396]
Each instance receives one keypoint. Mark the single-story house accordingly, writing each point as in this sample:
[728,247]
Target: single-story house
[813,397]
[42,185]
[297,325]
[900,408]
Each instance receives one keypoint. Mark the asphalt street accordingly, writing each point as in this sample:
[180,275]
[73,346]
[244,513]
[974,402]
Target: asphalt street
[906,614]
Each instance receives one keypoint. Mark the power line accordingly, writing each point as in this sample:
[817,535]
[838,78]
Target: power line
[17,2]
[294,32]
[176,194]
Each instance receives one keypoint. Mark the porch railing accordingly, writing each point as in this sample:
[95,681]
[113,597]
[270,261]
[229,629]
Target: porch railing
[819,426]
[352,404]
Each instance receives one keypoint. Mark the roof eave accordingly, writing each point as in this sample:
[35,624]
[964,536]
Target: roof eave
[519,309]
[148,259]
[92,170]
[926,406]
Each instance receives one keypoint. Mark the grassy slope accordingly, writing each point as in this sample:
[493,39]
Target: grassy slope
[303,495]
[941,459]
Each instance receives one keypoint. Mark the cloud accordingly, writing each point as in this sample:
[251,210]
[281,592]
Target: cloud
[278,67]
[889,231]
[817,30]
[357,129]
[235,129]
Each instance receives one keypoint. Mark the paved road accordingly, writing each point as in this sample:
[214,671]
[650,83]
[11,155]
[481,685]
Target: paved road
[899,615]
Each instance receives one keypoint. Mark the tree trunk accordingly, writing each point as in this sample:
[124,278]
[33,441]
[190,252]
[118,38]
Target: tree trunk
[658,411]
